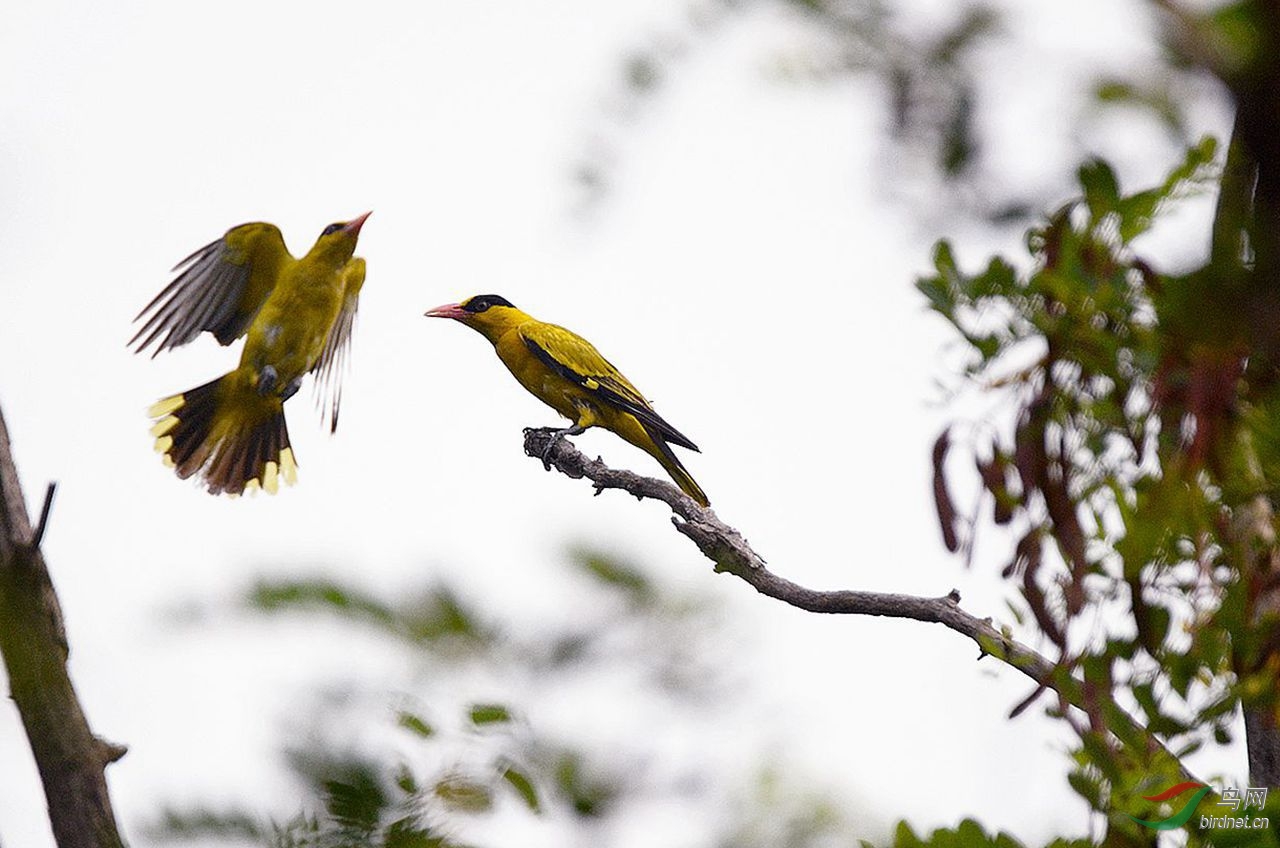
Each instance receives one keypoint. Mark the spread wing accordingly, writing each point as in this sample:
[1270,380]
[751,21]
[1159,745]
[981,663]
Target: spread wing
[333,359]
[219,288]
[576,359]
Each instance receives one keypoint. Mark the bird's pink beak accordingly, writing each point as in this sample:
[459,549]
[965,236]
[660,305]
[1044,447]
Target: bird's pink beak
[353,226]
[449,310]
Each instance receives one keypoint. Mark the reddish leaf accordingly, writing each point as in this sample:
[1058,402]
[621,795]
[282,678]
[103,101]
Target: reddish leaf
[1028,443]
[1029,554]
[994,474]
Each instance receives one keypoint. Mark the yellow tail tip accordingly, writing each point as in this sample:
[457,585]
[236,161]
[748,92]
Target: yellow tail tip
[161,408]
[288,467]
[273,473]
[232,442]
[163,426]
[270,480]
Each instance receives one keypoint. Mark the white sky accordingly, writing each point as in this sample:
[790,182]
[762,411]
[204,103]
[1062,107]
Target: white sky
[745,270]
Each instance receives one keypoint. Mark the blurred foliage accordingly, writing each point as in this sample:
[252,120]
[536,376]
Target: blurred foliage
[969,834]
[1116,477]
[436,618]
[927,74]
[423,773]
[930,87]
[932,66]
[777,814]
[1132,452]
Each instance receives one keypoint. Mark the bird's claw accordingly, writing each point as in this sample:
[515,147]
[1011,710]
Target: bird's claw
[546,452]
[557,435]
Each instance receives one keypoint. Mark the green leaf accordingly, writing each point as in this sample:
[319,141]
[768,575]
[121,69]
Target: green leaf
[905,837]
[312,595]
[1000,279]
[483,714]
[199,823]
[441,615]
[415,724]
[1137,212]
[969,834]
[1101,189]
[1114,90]
[523,786]
[1155,96]
[356,801]
[615,573]
[412,832]
[1087,788]
[405,780]
[942,289]
[1238,31]
[464,794]
[589,796]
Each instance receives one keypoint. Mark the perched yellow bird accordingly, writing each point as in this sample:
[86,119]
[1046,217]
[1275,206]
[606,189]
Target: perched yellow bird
[567,373]
[297,316]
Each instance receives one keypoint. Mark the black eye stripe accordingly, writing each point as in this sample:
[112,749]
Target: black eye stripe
[481,302]
[331,229]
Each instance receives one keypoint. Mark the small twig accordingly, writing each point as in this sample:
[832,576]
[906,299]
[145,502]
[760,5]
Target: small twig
[730,552]
[38,536]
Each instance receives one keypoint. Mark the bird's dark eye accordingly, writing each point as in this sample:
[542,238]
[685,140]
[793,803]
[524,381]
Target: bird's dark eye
[481,302]
[331,229]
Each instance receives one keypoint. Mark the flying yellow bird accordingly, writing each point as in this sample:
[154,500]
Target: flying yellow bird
[567,373]
[297,316]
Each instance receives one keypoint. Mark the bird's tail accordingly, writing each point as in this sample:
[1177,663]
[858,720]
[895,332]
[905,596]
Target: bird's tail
[673,467]
[227,432]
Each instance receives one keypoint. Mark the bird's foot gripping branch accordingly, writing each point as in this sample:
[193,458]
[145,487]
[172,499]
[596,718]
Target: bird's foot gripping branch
[722,544]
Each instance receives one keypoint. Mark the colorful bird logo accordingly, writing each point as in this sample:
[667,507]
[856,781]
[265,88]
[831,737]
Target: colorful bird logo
[1179,818]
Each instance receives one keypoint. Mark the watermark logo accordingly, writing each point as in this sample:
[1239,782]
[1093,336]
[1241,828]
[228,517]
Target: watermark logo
[1254,796]
[1183,815]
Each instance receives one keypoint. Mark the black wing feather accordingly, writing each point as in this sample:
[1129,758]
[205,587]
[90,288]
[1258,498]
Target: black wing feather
[599,385]
[219,288]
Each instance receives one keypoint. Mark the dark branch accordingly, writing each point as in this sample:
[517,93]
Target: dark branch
[731,553]
[71,760]
[38,536]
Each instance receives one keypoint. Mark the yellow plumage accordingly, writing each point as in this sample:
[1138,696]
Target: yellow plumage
[296,316]
[566,372]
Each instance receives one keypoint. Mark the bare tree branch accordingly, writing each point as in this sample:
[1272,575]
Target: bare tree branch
[731,553]
[70,758]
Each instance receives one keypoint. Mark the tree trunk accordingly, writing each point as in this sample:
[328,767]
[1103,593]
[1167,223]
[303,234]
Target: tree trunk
[70,758]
